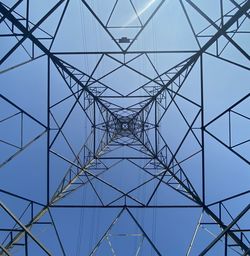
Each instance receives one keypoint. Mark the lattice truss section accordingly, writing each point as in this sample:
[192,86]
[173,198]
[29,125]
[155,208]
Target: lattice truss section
[124,127]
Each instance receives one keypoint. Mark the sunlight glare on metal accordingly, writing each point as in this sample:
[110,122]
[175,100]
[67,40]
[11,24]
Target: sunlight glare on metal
[140,12]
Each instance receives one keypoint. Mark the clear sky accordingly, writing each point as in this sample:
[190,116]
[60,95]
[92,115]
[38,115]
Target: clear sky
[108,130]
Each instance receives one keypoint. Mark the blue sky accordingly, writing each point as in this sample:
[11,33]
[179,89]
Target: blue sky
[123,81]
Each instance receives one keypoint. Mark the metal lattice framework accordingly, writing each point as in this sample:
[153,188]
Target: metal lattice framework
[125,127]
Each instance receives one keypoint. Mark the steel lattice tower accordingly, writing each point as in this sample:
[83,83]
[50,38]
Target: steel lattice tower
[124,127]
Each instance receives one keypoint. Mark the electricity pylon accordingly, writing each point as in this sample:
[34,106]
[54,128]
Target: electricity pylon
[141,133]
